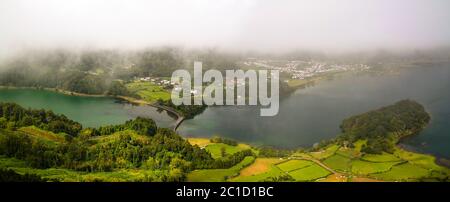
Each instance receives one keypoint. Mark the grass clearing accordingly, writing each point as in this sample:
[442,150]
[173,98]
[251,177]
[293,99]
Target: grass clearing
[219,175]
[347,152]
[310,173]
[273,172]
[148,91]
[365,167]
[261,165]
[301,155]
[294,164]
[422,160]
[384,157]
[201,142]
[216,149]
[338,162]
[327,152]
[404,172]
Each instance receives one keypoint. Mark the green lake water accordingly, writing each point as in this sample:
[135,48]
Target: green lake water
[89,111]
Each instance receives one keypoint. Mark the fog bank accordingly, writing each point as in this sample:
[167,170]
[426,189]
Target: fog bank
[236,25]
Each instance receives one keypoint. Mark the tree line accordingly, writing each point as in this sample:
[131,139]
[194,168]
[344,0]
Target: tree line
[13,116]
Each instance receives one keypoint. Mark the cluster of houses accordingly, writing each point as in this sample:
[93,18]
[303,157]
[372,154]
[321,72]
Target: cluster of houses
[156,80]
[305,69]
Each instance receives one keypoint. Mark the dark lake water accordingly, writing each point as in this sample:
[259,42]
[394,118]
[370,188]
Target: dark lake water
[89,111]
[313,114]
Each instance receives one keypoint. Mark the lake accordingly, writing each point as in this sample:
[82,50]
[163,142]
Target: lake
[89,111]
[306,117]
[313,114]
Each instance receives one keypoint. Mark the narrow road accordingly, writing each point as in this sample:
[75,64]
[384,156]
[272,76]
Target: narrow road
[180,118]
[177,123]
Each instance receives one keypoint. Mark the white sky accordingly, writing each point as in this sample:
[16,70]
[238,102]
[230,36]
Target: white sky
[265,25]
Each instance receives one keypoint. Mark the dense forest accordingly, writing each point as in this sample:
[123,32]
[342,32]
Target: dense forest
[138,143]
[382,128]
[13,116]
[8,175]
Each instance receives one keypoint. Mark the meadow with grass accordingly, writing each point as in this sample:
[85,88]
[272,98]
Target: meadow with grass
[148,91]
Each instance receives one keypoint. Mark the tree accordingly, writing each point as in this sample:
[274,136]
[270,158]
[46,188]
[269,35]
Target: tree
[223,151]
[3,122]
[143,126]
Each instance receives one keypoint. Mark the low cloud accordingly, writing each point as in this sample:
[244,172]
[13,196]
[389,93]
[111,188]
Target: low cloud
[239,25]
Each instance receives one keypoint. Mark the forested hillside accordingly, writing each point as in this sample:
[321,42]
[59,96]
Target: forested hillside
[383,127]
[45,140]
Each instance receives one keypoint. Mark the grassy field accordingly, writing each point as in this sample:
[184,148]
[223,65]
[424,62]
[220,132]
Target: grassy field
[261,165]
[422,160]
[327,152]
[347,152]
[148,91]
[301,155]
[201,142]
[294,165]
[309,173]
[403,172]
[365,167]
[273,172]
[352,165]
[219,175]
[338,162]
[268,169]
[216,149]
[384,157]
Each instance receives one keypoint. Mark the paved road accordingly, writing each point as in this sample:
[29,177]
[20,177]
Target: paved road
[180,118]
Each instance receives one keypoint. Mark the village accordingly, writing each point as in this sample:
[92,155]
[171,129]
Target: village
[298,69]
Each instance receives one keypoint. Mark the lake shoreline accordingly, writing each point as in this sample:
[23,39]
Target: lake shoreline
[179,121]
[130,100]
